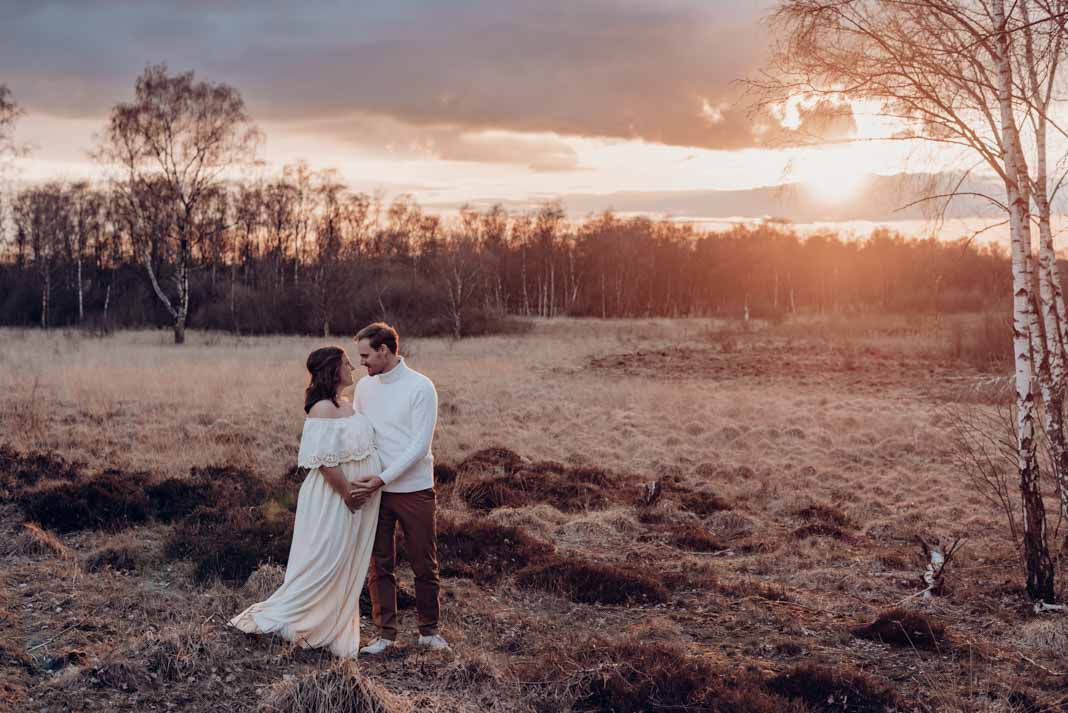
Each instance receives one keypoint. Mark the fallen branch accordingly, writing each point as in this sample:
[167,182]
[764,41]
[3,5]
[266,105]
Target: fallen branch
[1041,606]
[938,558]
[1038,665]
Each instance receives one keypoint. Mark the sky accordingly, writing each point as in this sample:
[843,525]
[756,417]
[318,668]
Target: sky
[633,106]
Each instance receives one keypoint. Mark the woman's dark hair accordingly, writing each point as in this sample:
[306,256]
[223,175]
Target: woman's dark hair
[324,365]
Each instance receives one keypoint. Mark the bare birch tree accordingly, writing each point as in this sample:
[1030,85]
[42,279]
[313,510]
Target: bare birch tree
[181,136]
[945,70]
[9,115]
[42,217]
[87,206]
[459,274]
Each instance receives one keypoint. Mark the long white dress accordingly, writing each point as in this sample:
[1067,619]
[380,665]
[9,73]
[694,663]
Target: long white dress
[318,602]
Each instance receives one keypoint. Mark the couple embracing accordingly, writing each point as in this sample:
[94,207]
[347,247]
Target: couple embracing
[370,468]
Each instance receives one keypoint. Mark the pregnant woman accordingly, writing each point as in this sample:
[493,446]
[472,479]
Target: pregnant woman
[318,602]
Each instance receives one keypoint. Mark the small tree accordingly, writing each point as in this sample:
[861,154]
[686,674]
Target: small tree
[180,136]
[459,273]
[42,220]
[9,114]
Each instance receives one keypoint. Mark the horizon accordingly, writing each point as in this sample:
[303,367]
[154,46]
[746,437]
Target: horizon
[397,106]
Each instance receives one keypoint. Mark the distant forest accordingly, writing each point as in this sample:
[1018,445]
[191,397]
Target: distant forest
[302,254]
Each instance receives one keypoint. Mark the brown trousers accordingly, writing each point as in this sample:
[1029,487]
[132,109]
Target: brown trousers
[415,512]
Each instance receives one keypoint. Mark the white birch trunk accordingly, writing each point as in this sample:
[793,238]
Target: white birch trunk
[81,299]
[1036,554]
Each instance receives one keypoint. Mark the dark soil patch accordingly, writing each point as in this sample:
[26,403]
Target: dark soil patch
[295,475]
[444,474]
[498,477]
[497,460]
[484,551]
[231,544]
[222,487]
[566,489]
[702,502]
[693,539]
[899,627]
[111,501]
[835,690]
[174,498]
[12,658]
[637,677]
[825,514]
[589,582]
[21,471]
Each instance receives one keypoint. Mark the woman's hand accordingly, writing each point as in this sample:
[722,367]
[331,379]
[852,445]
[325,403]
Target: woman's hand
[361,489]
[355,499]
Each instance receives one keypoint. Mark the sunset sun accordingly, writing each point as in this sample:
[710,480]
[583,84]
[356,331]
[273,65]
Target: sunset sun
[834,183]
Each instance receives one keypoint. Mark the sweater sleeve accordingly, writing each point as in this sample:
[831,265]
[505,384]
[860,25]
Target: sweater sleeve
[424,419]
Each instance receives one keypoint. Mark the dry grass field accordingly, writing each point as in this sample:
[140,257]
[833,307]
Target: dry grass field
[799,462]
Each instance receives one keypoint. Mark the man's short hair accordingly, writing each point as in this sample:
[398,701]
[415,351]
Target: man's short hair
[378,334]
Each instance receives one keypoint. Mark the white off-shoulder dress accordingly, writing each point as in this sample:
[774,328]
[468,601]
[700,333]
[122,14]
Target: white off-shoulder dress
[318,602]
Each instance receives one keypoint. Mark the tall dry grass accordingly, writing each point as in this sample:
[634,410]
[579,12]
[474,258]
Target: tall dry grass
[844,423]
[135,401]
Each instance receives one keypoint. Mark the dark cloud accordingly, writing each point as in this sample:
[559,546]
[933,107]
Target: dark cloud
[661,72]
[385,136]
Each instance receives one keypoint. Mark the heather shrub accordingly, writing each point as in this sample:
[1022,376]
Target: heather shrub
[834,690]
[899,627]
[484,551]
[231,544]
[111,501]
[592,582]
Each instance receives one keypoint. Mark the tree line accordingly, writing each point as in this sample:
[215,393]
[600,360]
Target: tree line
[301,253]
[176,232]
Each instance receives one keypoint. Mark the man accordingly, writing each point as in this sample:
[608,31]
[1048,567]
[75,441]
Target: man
[402,405]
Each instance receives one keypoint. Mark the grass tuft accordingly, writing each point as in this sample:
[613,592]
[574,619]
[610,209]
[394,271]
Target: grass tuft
[230,544]
[338,689]
[33,541]
[835,690]
[19,472]
[637,677]
[589,582]
[899,627]
[484,551]
[111,501]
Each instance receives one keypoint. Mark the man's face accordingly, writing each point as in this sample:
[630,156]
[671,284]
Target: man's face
[375,361]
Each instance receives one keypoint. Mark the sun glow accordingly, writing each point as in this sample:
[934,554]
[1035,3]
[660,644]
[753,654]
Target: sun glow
[835,182]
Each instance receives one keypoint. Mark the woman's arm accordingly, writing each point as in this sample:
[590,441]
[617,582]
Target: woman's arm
[336,480]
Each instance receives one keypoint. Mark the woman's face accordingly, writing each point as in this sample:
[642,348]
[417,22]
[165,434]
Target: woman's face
[345,373]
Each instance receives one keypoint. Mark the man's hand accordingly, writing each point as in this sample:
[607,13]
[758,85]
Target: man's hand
[361,490]
[367,484]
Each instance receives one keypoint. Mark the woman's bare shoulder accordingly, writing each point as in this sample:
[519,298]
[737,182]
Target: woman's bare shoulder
[327,409]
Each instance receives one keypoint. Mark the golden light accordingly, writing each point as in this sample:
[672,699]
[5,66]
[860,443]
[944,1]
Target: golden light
[836,186]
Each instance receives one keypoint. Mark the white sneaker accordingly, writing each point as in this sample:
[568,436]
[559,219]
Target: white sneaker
[434,643]
[377,646]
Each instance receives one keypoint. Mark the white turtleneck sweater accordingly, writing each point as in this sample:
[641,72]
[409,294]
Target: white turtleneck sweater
[402,405]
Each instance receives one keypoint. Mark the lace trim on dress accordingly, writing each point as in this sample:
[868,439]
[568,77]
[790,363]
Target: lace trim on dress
[333,459]
[331,442]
